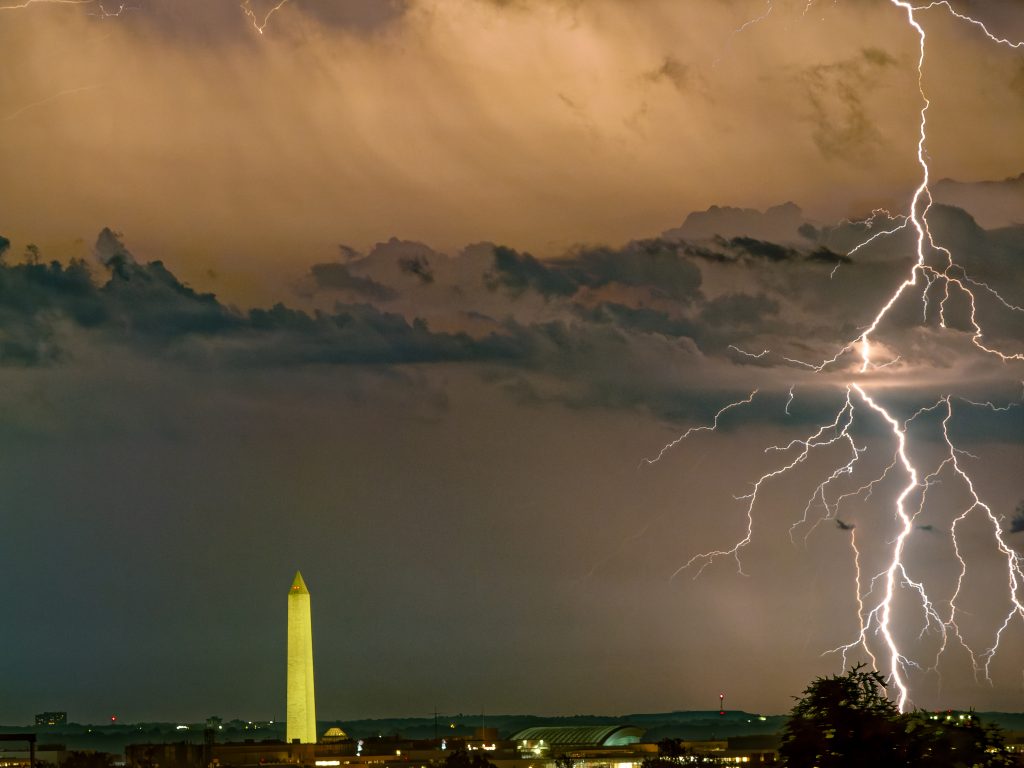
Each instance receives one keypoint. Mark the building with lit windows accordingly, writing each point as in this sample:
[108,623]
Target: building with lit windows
[44,719]
[598,746]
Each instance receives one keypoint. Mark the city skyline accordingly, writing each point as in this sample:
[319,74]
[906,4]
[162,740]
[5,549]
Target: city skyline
[501,320]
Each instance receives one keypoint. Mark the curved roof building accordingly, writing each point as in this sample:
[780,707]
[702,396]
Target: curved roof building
[581,735]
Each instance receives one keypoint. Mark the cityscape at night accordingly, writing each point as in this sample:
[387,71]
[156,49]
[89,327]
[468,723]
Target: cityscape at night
[512,383]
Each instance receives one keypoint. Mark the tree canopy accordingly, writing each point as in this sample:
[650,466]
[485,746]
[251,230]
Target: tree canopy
[846,721]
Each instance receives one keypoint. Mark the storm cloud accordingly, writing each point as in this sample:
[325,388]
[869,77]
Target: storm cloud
[482,427]
[710,305]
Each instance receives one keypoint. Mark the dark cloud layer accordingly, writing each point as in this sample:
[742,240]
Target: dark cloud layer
[418,266]
[337,277]
[710,305]
[657,265]
[145,305]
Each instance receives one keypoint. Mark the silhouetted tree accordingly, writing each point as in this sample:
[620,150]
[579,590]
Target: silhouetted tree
[846,721]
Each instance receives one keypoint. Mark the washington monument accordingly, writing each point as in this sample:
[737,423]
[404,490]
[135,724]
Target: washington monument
[301,705]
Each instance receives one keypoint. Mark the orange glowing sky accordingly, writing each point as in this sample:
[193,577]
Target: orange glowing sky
[540,124]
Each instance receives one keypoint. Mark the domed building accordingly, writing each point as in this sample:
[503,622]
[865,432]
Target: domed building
[334,735]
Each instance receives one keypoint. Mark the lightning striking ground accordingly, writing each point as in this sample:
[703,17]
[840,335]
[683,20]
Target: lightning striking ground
[880,621]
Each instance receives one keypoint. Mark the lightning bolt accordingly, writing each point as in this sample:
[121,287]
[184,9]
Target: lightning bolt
[744,352]
[769,9]
[708,428]
[897,659]
[43,102]
[757,19]
[121,9]
[27,3]
[1014,561]
[920,205]
[258,25]
[934,266]
[100,11]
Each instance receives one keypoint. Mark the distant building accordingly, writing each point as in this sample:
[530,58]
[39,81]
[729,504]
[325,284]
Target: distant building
[334,736]
[610,746]
[51,718]
[1015,746]
[54,754]
[541,741]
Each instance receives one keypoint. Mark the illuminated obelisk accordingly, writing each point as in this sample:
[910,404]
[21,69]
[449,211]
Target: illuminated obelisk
[301,704]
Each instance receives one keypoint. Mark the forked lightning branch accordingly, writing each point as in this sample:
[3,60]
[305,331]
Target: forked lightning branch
[876,594]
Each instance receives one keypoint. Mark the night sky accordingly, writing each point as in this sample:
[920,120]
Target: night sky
[402,293]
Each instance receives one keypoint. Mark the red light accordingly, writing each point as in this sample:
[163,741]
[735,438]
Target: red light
[113,718]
